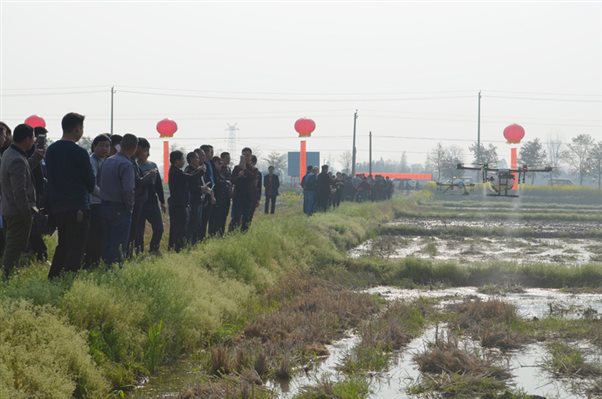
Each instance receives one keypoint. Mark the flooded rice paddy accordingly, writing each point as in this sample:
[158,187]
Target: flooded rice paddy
[471,231]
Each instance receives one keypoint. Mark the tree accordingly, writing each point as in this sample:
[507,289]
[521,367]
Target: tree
[532,154]
[277,160]
[487,155]
[577,155]
[403,163]
[417,168]
[595,155]
[85,142]
[554,150]
[345,160]
[444,161]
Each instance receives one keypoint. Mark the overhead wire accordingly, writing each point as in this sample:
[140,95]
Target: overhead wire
[266,99]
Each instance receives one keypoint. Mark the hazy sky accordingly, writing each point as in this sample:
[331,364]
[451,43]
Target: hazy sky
[413,70]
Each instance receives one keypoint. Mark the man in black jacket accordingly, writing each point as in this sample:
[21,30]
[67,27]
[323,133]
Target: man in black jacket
[271,183]
[70,182]
[244,199]
[323,189]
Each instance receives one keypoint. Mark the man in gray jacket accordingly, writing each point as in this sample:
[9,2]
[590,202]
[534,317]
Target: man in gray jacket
[18,195]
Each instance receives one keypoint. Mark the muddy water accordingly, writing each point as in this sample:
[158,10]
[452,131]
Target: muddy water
[472,249]
[534,302]
[543,226]
[170,380]
[326,368]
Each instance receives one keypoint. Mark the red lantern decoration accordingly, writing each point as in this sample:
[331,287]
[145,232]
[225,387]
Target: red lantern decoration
[35,121]
[167,127]
[305,127]
[514,134]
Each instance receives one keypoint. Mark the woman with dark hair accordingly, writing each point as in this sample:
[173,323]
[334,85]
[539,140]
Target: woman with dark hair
[101,147]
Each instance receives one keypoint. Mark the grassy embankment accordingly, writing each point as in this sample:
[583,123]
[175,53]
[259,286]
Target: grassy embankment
[89,334]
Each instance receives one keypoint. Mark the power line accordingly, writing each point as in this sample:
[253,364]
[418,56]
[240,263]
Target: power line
[51,93]
[545,99]
[53,88]
[396,93]
[266,99]
[546,93]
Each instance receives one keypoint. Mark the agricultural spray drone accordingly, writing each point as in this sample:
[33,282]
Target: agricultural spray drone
[502,181]
[459,183]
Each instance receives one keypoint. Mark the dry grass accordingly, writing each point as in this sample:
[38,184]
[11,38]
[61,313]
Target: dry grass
[446,356]
[457,371]
[493,322]
[312,313]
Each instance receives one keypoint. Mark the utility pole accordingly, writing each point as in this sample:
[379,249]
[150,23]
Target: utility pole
[112,95]
[353,151]
[370,154]
[479,130]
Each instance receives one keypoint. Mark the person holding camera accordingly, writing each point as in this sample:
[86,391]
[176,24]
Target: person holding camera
[39,226]
[18,195]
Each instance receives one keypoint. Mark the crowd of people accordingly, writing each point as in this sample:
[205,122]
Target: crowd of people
[325,190]
[99,203]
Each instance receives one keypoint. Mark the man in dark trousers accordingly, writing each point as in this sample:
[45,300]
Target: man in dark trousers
[38,174]
[70,182]
[18,196]
[271,183]
[258,187]
[244,179]
[151,211]
[323,189]
[210,180]
[223,196]
[117,182]
[179,199]
[145,182]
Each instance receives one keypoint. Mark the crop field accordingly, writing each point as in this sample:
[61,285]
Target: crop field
[456,296]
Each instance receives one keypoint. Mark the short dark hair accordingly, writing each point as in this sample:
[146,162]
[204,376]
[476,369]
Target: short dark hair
[324,167]
[224,154]
[129,142]
[216,159]
[246,149]
[270,167]
[71,121]
[116,139]
[206,147]
[190,155]
[99,139]
[39,130]
[310,168]
[22,132]
[143,143]
[175,156]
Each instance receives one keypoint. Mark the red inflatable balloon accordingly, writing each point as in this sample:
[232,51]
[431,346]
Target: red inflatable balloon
[167,127]
[305,127]
[35,121]
[514,133]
